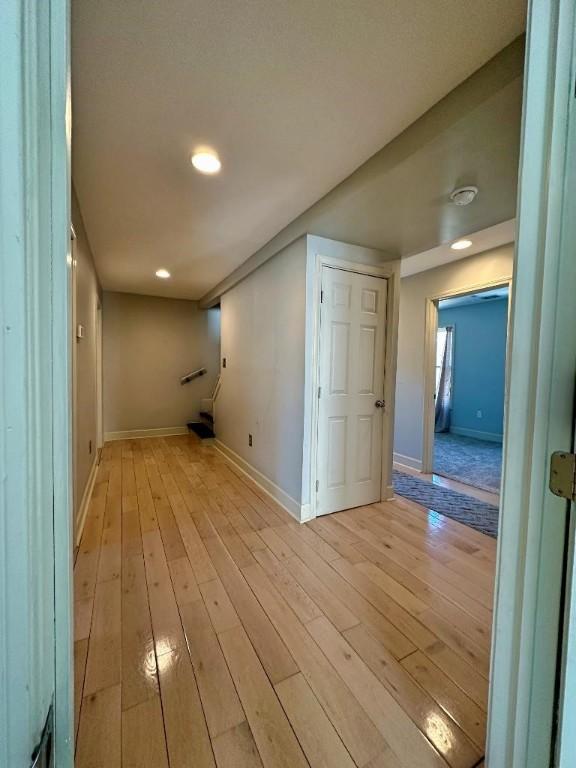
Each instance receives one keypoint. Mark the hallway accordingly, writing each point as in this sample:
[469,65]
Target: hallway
[213,630]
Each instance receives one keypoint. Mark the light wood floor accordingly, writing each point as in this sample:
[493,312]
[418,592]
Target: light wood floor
[213,630]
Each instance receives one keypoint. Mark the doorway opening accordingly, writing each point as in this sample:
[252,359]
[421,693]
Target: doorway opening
[464,405]
[469,395]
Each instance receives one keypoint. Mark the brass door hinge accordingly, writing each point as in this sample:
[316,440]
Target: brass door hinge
[563,475]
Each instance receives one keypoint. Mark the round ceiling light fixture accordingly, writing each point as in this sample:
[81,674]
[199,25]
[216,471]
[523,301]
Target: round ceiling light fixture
[464,195]
[460,245]
[163,274]
[206,162]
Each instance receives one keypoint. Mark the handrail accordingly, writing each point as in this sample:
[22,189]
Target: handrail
[192,375]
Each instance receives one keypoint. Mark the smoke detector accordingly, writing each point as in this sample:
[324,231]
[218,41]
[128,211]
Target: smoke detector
[464,195]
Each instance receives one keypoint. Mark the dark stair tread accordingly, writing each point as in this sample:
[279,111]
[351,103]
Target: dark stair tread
[201,430]
[207,416]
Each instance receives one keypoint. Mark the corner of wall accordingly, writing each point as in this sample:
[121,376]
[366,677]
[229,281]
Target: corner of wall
[407,462]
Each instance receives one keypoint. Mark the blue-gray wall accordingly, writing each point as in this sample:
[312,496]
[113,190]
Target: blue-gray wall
[479,366]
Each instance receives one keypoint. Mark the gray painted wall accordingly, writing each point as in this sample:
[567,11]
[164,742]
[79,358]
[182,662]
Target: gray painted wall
[263,330]
[458,276]
[266,329]
[87,301]
[149,343]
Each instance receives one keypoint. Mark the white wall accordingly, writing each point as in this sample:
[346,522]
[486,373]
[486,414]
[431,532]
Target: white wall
[266,330]
[263,326]
[414,291]
[87,300]
[148,344]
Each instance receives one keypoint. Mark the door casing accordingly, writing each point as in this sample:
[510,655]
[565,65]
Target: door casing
[35,388]
[430,331]
[532,546]
[323,505]
[391,273]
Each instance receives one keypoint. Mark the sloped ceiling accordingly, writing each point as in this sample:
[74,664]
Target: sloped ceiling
[294,96]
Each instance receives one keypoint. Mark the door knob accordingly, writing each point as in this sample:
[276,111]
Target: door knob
[379,403]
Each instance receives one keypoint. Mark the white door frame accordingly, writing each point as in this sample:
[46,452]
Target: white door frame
[389,271]
[430,333]
[34,100]
[532,543]
[61,119]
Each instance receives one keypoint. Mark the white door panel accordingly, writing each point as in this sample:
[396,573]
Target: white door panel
[352,338]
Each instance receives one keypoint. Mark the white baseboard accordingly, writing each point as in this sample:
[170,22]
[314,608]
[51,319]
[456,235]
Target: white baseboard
[300,512]
[492,437]
[389,493]
[407,461]
[133,434]
[85,503]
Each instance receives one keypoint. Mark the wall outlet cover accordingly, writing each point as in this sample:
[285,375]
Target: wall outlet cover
[478,414]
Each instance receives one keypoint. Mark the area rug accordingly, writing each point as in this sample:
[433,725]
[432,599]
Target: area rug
[474,462]
[465,509]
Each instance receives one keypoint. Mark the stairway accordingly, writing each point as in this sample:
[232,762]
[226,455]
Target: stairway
[205,427]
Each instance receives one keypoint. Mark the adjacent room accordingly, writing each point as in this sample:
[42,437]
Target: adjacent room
[470,373]
[451,380]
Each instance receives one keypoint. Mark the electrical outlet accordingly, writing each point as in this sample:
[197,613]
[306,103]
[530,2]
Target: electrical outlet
[223,362]
[478,414]
[250,441]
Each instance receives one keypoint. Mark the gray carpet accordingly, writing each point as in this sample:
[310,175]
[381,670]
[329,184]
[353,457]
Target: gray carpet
[465,509]
[471,461]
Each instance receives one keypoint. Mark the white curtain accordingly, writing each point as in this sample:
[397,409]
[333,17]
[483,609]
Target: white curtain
[444,393]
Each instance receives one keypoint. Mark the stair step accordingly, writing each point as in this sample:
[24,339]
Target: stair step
[201,430]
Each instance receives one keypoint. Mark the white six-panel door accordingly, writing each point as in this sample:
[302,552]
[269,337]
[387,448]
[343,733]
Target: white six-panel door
[350,414]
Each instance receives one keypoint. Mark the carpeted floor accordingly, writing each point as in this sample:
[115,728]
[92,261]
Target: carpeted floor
[466,509]
[471,461]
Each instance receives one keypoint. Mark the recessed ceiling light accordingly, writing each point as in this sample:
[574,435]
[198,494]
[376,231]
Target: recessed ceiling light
[206,162]
[460,245]
[163,274]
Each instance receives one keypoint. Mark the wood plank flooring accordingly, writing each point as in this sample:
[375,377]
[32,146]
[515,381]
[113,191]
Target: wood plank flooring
[211,630]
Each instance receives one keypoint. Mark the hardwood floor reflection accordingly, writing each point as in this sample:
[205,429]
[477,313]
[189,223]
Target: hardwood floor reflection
[213,630]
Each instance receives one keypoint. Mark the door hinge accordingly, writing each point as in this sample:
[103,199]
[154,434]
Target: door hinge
[563,475]
[321,297]
[317,485]
[319,392]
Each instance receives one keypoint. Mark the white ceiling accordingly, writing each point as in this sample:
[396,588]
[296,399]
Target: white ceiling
[294,96]
[484,240]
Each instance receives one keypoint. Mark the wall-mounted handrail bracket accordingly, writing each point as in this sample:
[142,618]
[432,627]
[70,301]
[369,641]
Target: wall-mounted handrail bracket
[193,375]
